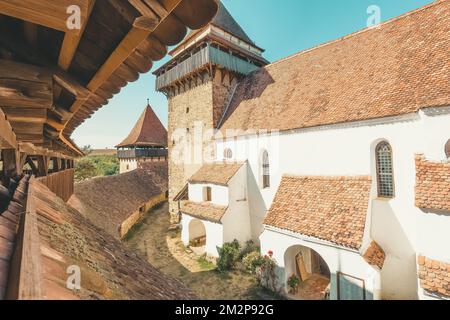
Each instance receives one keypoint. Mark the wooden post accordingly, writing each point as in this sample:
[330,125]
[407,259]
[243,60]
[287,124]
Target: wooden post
[56,164]
[63,164]
[42,165]
[32,165]
[10,162]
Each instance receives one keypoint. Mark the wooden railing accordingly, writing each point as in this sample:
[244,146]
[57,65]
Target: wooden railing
[141,153]
[25,278]
[60,183]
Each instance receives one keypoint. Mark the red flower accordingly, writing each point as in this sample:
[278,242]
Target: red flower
[270,253]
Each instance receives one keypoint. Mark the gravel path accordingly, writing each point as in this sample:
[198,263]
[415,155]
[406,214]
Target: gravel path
[165,251]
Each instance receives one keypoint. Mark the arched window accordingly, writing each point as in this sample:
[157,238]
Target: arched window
[227,153]
[385,170]
[265,170]
[447,149]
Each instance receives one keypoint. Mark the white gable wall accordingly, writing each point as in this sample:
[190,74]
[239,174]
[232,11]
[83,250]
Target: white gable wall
[219,194]
[400,228]
[236,221]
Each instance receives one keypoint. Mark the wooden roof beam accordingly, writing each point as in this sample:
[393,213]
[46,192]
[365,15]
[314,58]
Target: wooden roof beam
[24,85]
[72,40]
[48,13]
[142,28]
[8,138]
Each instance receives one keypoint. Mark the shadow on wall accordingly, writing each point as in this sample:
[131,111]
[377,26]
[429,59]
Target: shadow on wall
[252,87]
[399,274]
[257,206]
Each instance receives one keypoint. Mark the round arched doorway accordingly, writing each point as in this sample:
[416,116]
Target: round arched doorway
[197,237]
[306,268]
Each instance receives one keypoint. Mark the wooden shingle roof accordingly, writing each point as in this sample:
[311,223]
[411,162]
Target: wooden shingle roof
[327,208]
[395,69]
[147,132]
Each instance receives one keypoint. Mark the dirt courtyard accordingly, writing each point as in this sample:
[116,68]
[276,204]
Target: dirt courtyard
[165,251]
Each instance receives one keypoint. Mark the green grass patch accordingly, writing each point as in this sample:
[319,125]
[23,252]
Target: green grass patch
[205,264]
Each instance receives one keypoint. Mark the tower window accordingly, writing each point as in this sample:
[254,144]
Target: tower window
[207,194]
[447,149]
[227,153]
[187,110]
[385,171]
[265,170]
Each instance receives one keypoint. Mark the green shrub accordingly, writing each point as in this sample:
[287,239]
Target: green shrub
[228,256]
[85,169]
[249,247]
[252,261]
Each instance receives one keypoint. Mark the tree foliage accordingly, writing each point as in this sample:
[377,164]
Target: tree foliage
[93,166]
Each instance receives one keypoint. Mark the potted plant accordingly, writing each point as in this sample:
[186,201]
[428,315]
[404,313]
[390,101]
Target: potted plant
[293,283]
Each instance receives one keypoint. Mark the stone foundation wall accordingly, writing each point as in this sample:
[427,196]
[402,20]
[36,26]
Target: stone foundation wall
[136,216]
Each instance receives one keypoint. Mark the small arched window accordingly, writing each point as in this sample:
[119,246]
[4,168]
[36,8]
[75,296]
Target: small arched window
[265,170]
[385,170]
[447,149]
[227,153]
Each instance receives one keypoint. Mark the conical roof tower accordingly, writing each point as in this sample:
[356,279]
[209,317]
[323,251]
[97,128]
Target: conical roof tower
[147,132]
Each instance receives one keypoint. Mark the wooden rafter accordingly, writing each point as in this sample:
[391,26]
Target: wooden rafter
[48,13]
[141,30]
[72,40]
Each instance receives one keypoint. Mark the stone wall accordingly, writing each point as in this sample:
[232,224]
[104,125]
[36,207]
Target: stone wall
[198,104]
[136,216]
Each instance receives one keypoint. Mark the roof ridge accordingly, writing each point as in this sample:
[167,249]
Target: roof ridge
[353,34]
[333,178]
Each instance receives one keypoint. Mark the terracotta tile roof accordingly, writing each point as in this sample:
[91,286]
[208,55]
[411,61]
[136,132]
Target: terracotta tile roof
[396,69]
[375,255]
[432,184]
[109,270]
[434,276]
[147,132]
[328,208]
[204,211]
[109,201]
[216,173]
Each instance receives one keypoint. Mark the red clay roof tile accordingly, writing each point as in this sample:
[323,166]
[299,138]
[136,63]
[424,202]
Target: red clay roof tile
[432,184]
[328,208]
[395,69]
[148,132]
[204,210]
[216,173]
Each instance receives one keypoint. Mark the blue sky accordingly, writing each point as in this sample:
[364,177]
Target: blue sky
[281,27]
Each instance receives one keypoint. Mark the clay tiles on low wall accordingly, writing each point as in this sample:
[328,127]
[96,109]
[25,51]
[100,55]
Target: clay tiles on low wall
[109,201]
[109,270]
[432,184]
[434,276]
[375,255]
